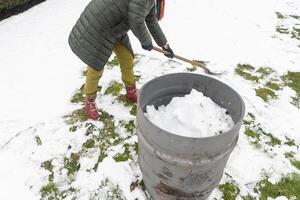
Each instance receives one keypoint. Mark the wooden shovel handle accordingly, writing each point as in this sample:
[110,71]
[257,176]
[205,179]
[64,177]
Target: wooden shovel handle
[183,59]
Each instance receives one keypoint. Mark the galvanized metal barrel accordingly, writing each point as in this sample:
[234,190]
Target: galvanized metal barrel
[177,167]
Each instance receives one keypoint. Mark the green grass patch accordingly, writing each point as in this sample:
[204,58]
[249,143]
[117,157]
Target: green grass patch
[115,193]
[114,89]
[91,128]
[68,193]
[109,128]
[264,72]
[127,103]
[273,86]
[122,99]
[129,151]
[50,191]
[282,30]
[248,72]
[101,157]
[245,67]
[255,137]
[47,165]
[247,75]
[288,186]
[73,128]
[230,191]
[249,123]
[107,137]
[76,116]
[273,140]
[108,191]
[255,133]
[296,163]
[90,143]
[292,80]
[296,101]
[72,164]
[133,110]
[290,142]
[289,155]
[78,96]
[245,71]
[280,15]
[102,138]
[248,197]
[123,156]
[291,31]
[296,33]
[252,134]
[265,93]
[249,119]
[295,16]
[130,127]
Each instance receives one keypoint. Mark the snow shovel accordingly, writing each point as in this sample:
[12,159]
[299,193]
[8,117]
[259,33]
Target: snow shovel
[192,62]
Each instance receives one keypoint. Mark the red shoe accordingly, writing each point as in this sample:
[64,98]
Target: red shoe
[90,108]
[131,93]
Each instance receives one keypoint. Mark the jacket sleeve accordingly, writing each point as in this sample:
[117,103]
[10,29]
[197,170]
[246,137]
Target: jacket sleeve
[155,29]
[137,10]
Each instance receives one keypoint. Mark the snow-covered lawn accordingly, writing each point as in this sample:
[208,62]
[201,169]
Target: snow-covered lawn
[49,150]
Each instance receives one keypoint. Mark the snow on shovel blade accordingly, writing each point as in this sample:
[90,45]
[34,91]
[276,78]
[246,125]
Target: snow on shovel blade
[202,64]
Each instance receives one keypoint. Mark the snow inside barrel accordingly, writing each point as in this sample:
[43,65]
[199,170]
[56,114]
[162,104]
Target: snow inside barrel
[175,166]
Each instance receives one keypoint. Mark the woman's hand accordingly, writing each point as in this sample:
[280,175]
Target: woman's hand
[168,51]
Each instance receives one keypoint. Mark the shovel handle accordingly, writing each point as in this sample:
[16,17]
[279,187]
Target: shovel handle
[182,59]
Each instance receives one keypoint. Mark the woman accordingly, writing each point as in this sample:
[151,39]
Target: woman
[102,28]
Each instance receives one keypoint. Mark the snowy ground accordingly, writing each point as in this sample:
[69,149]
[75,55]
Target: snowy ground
[48,150]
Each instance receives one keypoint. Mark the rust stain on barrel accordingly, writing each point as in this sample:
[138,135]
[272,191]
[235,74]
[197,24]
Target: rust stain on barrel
[173,193]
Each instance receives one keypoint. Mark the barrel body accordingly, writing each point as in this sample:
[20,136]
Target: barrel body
[177,167]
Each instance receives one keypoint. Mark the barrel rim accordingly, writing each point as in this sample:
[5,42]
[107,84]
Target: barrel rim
[169,134]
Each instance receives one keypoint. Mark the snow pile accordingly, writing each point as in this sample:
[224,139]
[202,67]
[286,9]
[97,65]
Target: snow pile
[193,115]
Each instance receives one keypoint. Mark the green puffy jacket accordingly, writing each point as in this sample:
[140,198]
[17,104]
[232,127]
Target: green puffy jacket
[105,22]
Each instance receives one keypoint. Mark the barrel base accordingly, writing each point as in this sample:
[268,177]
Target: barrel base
[163,192]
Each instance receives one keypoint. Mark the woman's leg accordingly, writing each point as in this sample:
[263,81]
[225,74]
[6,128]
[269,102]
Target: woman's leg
[126,63]
[91,83]
[125,58]
[90,89]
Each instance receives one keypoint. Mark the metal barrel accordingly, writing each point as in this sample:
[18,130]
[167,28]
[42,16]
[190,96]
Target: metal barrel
[183,168]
